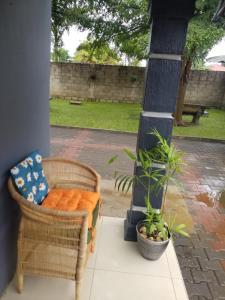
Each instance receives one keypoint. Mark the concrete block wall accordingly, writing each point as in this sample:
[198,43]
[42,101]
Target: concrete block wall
[97,82]
[126,84]
[206,87]
[223,103]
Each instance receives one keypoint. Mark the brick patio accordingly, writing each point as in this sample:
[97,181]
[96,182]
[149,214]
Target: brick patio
[201,201]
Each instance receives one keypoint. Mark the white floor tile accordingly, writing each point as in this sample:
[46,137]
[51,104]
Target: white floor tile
[173,262]
[45,288]
[115,254]
[109,285]
[180,289]
[116,271]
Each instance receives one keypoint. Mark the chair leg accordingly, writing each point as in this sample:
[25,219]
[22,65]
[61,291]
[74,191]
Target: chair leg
[77,290]
[19,269]
[19,279]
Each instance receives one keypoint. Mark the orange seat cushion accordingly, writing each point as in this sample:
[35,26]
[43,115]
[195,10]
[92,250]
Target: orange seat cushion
[71,200]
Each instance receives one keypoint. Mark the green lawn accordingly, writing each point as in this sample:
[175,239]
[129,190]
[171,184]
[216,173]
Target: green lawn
[125,117]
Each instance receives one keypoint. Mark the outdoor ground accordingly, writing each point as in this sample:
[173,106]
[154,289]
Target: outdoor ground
[125,117]
[200,204]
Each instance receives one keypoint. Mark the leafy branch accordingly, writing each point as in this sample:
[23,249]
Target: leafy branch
[158,166]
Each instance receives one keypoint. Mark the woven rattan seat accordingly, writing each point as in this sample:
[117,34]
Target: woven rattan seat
[52,242]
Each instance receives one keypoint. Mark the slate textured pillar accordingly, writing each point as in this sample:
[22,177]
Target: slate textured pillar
[24,105]
[168,34]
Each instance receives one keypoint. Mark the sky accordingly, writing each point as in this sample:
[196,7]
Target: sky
[72,40]
[218,49]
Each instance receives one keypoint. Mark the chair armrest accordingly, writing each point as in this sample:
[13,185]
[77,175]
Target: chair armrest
[45,215]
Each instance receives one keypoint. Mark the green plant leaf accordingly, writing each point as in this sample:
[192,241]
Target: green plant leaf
[129,184]
[152,228]
[125,182]
[180,226]
[184,233]
[118,178]
[121,181]
[112,159]
[179,229]
[130,154]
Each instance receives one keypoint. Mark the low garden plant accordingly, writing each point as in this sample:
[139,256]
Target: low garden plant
[159,166]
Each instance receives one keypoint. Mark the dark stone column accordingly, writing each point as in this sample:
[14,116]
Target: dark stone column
[24,105]
[169,26]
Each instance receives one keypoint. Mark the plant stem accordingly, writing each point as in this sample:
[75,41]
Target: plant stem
[164,197]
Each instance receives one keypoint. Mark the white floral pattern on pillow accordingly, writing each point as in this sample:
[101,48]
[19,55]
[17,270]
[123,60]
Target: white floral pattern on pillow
[29,178]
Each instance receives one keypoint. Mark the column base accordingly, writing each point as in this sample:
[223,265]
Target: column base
[133,217]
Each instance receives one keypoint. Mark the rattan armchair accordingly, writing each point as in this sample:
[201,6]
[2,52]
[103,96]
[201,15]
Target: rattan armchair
[52,242]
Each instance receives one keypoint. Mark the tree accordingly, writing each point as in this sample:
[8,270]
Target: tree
[65,13]
[202,36]
[62,55]
[89,52]
[126,24]
[123,23]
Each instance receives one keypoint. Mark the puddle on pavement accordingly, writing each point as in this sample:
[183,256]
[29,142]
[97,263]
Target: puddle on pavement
[212,199]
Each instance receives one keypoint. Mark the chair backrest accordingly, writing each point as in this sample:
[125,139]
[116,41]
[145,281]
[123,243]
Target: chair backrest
[67,173]
[64,174]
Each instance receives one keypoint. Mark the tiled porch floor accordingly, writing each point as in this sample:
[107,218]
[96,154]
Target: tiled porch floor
[115,271]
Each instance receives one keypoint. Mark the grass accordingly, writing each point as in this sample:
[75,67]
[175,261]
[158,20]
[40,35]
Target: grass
[125,117]
[212,127]
[95,115]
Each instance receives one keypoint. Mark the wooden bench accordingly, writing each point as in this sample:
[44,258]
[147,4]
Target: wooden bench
[195,110]
[76,102]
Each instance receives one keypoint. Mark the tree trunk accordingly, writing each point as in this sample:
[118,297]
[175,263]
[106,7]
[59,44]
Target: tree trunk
[56,51]
[56,45]
[185,72]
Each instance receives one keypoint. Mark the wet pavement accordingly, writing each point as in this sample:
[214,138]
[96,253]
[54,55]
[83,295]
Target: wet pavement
[200,202]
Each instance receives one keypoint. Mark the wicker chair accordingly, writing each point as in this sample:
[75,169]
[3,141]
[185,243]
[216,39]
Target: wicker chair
[52,242]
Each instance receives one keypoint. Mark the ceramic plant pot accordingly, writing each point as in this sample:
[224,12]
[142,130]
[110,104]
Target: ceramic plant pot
[150,250]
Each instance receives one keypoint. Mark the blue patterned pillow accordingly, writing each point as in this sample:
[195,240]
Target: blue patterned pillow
[29,178]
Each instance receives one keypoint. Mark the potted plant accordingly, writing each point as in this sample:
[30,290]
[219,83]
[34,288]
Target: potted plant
[158,166]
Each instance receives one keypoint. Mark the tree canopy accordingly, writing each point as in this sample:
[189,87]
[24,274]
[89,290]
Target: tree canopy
[203,34]
[126,24]
[102,54]
[65,13]
[62,55]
